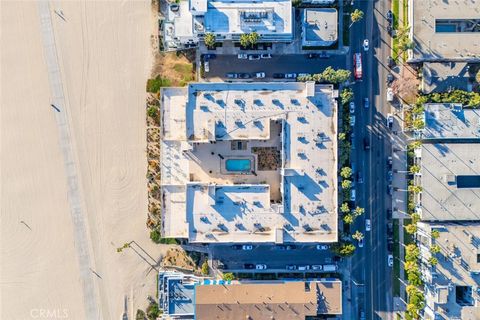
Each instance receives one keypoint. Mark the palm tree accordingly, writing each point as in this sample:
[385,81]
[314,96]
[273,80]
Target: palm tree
[253,38]
[415,189]
[348,219]
[411,228]
[358,211]
[244,40]
[414,168]
[346,184]
[357,235]
[209,40]
[356,16]
[346,172]
[344,208]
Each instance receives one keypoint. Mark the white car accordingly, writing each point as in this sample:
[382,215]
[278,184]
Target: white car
[266,56]
[368,225]
[352,107]
[322,246]
[261,266]
[352,121]
[260,75]
[247,247]
[360,243]
[389,121]
[206,66]
[242,56]
[390,260]
[303,268]
[365,45]
[317,267]
[389,94]
[352,194]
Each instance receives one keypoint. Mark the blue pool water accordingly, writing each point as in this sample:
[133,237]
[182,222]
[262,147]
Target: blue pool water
[445,28]
[238,165]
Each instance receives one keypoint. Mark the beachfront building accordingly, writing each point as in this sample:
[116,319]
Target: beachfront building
[188,297]
[187,23]
[444,30]
[452,286]
[249,162]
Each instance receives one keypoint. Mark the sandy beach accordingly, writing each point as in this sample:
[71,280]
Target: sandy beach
[73,159]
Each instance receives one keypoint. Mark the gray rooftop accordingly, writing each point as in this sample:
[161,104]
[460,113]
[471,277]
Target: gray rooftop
[458,266]
[449,43]
[445,76]
[444,121]
[449,175]
[320,26]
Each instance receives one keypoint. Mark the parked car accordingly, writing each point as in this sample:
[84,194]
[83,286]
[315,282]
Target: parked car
[322,246]
[366,103]
[247,247]
[253,57]
[366,143]
[365,45]
[352,140]
[206,66]
[359,177]
[249,266]
[352,194]
[390,78]
[290,75]
[317,267]
[291,267]
[390,260]
[266,56]
[389,175]
[390,246]
[390,189]
[232,75]
[352,107]
[360,243]
[278,75]
[304,268]
[209,56]
[390,30]
[389,120]
[389,162]
[174,7]
[362,315]
[323,55]
[390,16]
[286,247]
[236,247]
[389,229]
[390,62]
[244,75]
[261,266]
[242,56]
[260,75]
[390,94]
[368,225]
[303,74]
[389,214]
[352,121]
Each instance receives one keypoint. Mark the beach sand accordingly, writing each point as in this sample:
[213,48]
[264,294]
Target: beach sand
[74,191]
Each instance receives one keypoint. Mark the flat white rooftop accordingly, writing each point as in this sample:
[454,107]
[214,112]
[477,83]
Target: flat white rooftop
[451,121]
[320,26]
[450,175]
[245,16]
[249,162]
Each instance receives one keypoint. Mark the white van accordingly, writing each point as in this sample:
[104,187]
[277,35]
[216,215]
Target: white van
[352,194]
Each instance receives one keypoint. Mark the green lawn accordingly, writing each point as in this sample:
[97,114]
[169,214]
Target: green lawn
[405,23]
[396,13]
[396,259]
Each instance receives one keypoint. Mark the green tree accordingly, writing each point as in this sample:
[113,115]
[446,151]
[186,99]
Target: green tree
[434,248]
[357,235]
[477,77]
[414,168]
[433,261]
[415,145]
[418,124]
[152,311]
[346,95]
[205,268]
[435,234]
[356,16]
[342,136]
[411,252]
[228,276]
[348,219]
[253,38]
[209,40]
[346,184]
[411,228]
[244,40]
[344,249]
[415,189]
[410,266]
[346,172]
[358,211]
[342,75]
[344,208]
[414,278]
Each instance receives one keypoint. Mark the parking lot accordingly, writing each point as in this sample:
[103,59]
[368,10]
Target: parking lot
[223,64]
[276,258]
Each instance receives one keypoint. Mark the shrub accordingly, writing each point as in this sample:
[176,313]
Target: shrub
[140,315]
[435,234]
[411,228]
[156,237]
[152,111]
[228,276]
[152,311]
[344,249]
[435,248]
[346,95]
[205,268]
[154,85]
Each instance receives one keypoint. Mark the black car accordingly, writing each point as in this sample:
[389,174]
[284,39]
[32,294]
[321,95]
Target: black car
[390,229]
[244,75]
[390,62]
[236,247]
[389,162]
[389,214]
[390,246]
[209,56]
[390,189]
[366,143]
[390,16]
[278,75]
[390,78]
[249,266]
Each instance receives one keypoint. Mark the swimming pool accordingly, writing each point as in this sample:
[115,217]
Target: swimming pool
[238,165]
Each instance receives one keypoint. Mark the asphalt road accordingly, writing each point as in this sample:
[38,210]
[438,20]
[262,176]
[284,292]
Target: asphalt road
[369,267]
[270,255]
[223,64]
